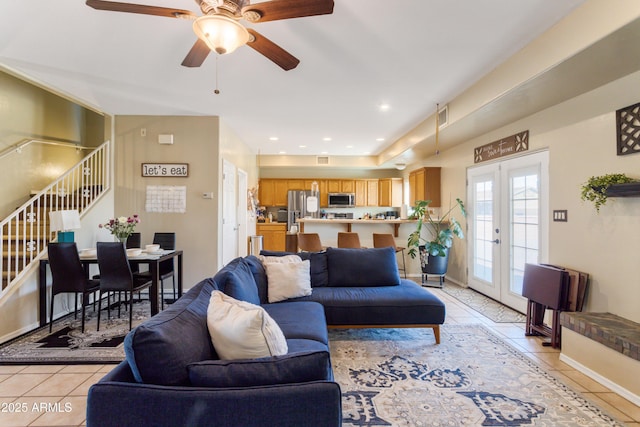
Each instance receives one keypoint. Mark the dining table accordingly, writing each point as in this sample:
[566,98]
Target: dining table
[152,259]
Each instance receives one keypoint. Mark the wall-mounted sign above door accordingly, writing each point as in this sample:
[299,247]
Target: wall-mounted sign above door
[180,170]
[504,147]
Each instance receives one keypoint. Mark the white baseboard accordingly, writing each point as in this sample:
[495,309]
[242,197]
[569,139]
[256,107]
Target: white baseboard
[634,398]
[19,332]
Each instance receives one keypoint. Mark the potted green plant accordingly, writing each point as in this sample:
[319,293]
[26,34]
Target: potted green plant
[434,250]
[595,189]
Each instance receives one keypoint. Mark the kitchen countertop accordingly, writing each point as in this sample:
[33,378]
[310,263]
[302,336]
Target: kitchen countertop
[354,220]
[349,222]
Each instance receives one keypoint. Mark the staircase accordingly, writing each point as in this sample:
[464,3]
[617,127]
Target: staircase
[25,233]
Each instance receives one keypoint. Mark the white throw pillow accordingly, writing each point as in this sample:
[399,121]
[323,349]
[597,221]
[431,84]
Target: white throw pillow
[288,280]
[241,330]
[279,259]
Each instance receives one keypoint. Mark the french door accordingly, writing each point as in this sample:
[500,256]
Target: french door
[507,224]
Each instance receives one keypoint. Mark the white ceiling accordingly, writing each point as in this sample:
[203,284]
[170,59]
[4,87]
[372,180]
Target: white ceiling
[409,54]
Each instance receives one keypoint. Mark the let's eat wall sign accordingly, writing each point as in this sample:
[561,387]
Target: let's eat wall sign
[179,170]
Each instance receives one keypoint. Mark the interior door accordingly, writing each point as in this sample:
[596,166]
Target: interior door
[243,213]
[508,225]
[229,215]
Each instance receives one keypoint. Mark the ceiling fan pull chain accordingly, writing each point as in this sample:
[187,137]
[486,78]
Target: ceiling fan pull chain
[216,91]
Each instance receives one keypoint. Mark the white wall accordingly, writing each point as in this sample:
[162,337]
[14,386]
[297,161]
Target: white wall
[200,141]
[580,135]
[234,150]
[19,307]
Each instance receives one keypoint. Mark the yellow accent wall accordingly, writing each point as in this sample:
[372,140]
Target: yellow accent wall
[29,112]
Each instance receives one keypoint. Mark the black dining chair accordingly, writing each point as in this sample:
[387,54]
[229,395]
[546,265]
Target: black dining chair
[116,276]
[69,276]
[167,241]
[134,241]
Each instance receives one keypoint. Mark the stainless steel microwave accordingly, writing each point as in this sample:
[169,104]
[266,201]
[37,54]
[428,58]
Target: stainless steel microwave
[341,200]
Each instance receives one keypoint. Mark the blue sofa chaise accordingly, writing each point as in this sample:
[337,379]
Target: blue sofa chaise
[172,375]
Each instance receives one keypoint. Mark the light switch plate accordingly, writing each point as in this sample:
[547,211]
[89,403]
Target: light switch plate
[560,215]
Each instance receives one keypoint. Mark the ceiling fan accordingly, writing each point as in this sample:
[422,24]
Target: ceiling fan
[218,28]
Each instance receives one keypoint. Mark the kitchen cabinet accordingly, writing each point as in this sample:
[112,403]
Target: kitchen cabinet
[324,190]
[341,185]
[281,187]
[266,192]
[361,192]
[372,192]
[297,184]
[424,184]
[334,186]
[273,191]
[348,186]
[390,192]
[366,192]
[273,235]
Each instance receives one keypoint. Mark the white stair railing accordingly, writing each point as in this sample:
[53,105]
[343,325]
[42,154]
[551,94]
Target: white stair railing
[25,233]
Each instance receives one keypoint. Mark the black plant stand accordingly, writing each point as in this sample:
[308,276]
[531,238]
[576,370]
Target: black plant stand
[425,279]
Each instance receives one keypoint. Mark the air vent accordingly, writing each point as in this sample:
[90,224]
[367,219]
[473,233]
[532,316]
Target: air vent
[322,160]
[443,116]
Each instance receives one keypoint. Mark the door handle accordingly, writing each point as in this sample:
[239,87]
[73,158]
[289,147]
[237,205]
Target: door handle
[497,241]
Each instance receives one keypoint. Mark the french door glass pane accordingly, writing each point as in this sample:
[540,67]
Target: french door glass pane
[483,231]
[525,226]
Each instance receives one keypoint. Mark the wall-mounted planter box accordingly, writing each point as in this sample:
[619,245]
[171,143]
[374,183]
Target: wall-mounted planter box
[630,189]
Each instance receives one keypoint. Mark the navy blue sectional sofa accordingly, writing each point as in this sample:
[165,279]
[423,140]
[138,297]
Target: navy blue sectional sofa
[172,375]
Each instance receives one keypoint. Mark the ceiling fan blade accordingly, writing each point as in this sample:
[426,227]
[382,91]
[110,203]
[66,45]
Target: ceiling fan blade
[275,53]
[197,54]
[140,8]
[285,9]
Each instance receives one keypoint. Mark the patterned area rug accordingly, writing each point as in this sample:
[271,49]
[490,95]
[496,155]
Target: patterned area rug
[484,305]
[68,345]
[400,377]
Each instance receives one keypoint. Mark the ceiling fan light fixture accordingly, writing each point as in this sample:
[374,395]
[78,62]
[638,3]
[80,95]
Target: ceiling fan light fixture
[220,33]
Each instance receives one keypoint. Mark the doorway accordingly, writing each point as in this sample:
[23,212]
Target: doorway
[507,224]
[242,213]
[229,215]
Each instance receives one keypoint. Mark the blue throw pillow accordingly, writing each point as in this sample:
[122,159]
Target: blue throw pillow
[362,267]
[259,275]
[159,350]
[236,280]
[287,369]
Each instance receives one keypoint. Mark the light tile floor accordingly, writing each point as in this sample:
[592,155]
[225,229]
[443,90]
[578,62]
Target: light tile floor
[55,395]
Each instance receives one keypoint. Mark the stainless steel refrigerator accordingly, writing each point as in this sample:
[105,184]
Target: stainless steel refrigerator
[297,206]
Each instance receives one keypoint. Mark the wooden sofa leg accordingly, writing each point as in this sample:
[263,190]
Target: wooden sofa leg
[436,333]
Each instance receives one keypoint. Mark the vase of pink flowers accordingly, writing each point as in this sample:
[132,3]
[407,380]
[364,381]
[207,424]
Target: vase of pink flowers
[121,227]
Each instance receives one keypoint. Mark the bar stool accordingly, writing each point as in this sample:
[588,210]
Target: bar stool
[348,240]
[383,240]
[309,242]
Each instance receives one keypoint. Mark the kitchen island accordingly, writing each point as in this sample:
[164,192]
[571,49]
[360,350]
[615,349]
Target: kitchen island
[348,224]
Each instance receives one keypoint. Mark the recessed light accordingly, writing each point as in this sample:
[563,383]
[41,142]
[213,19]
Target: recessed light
[302,146]
[282,152]
[273,138]
[326,139]
[324,152]
[366,153]
[384,107]
[379,139]
[349,146]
